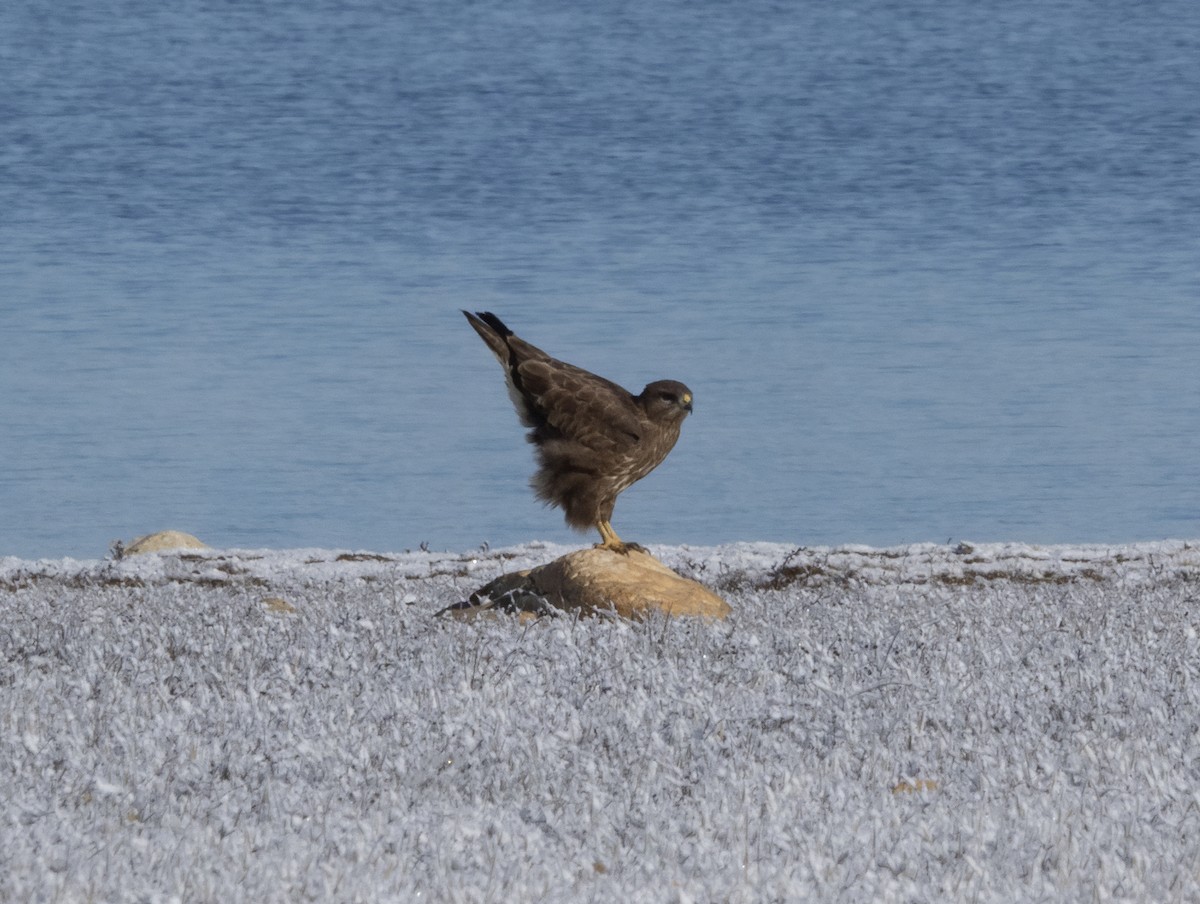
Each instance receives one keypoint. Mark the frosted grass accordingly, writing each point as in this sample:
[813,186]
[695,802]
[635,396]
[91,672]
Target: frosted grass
[1003,723]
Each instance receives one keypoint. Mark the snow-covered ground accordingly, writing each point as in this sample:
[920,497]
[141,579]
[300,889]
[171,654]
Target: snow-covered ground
[929,723]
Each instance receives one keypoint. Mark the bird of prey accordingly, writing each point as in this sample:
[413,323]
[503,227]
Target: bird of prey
[594,438]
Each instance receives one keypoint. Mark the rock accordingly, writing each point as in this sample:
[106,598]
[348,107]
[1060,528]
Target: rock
[597,580]
[278,604]
[163,541]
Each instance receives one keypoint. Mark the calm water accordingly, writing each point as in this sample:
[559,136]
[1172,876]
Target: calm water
[931,269]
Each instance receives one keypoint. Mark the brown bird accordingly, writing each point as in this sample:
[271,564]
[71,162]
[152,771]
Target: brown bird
[594,438]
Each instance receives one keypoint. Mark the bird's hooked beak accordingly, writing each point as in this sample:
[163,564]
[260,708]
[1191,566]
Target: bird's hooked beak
[686,402]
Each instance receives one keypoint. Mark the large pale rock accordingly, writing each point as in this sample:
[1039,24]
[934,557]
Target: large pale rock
[163,541]
[598,580]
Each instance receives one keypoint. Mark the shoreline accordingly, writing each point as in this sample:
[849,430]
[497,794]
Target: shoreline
[748,563]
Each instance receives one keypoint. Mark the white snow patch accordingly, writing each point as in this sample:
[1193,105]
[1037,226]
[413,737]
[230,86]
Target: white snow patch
[994,722]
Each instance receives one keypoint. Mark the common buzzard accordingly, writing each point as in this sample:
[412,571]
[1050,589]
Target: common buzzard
[593,438]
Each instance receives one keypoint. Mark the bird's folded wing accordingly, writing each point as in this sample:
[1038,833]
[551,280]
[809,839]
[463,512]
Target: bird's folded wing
[580,405]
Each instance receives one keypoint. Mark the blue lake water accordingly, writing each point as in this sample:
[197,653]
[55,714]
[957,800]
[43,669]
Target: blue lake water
[931,269]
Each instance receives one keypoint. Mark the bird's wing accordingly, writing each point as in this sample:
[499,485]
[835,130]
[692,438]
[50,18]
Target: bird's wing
[568,401]
[557,399]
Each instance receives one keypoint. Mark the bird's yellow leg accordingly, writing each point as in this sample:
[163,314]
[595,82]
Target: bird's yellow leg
[610,540]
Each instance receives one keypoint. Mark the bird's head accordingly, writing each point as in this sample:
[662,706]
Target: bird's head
[667,400]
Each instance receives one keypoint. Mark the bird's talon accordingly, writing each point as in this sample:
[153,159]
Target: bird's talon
[622,548]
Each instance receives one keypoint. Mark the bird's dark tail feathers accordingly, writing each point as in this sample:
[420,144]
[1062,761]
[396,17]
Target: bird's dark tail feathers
[491,329]
[494,322]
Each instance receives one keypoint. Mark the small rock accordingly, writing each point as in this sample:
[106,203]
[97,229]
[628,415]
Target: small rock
[163,541]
